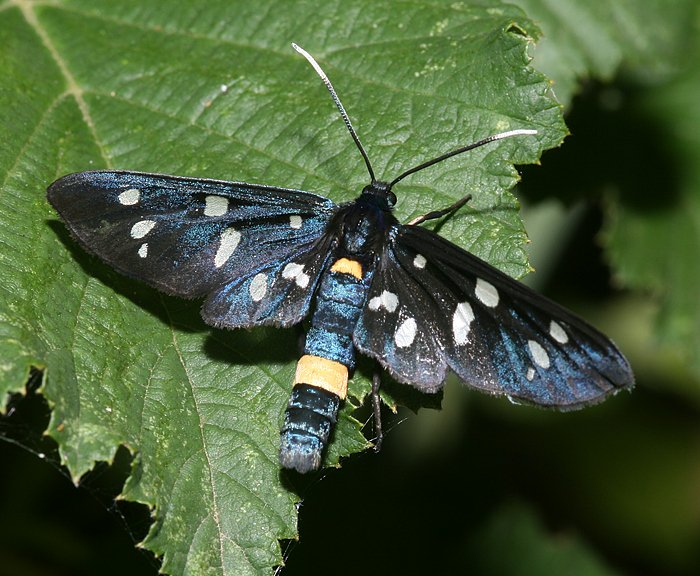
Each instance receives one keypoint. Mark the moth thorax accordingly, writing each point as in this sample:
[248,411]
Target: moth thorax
[358,236]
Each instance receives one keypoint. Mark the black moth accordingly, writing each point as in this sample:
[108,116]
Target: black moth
[398,293]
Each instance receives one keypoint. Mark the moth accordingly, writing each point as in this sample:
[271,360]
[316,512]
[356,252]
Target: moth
[399,293]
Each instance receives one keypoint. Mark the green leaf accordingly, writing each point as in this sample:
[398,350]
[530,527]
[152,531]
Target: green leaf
[654,234]
[213,89]
[595,39]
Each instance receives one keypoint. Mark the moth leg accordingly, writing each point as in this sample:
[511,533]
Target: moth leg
[440,213]
[377,412]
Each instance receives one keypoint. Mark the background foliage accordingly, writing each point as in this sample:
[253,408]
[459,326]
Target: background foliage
[211,89]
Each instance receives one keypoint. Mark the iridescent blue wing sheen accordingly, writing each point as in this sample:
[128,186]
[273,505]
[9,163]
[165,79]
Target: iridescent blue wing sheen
[192,237]
[433,306]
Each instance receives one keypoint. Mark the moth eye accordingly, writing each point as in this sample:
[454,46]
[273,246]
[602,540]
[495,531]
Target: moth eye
[391,198]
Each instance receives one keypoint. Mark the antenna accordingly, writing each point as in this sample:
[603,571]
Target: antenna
[499,136]
[348,124]
[339,104]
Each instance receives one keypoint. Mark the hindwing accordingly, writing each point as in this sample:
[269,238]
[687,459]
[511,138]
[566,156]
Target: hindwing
[433,306]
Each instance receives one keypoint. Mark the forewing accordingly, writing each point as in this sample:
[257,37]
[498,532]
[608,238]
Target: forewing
[496,334]
[190,237]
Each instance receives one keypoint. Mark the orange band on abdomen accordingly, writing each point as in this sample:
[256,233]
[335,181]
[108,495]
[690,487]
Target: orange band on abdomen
[323,373]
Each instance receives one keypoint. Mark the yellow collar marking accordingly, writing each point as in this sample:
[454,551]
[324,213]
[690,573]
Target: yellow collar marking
[347,266]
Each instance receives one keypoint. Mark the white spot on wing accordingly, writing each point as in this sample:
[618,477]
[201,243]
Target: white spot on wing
[258,287]
[419,261]
[292,270]
[530,374]
[130,197]
[386,299]
[558,333]
[296,272]
[486,293]
[539,354]
[295,222]
[143,250]
[215,205]
[227,244]
[461,321]
[405,333]
[140,229]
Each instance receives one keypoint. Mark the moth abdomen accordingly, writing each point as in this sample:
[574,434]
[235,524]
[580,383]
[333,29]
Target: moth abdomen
[321,380]
[308,421]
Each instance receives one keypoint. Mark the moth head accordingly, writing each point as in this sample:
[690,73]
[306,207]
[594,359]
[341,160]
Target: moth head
[381,193]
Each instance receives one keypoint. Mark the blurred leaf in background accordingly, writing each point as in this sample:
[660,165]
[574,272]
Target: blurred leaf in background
[212,89]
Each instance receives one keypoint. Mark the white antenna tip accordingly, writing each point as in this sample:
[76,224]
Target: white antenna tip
[518,132]
[311,61]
